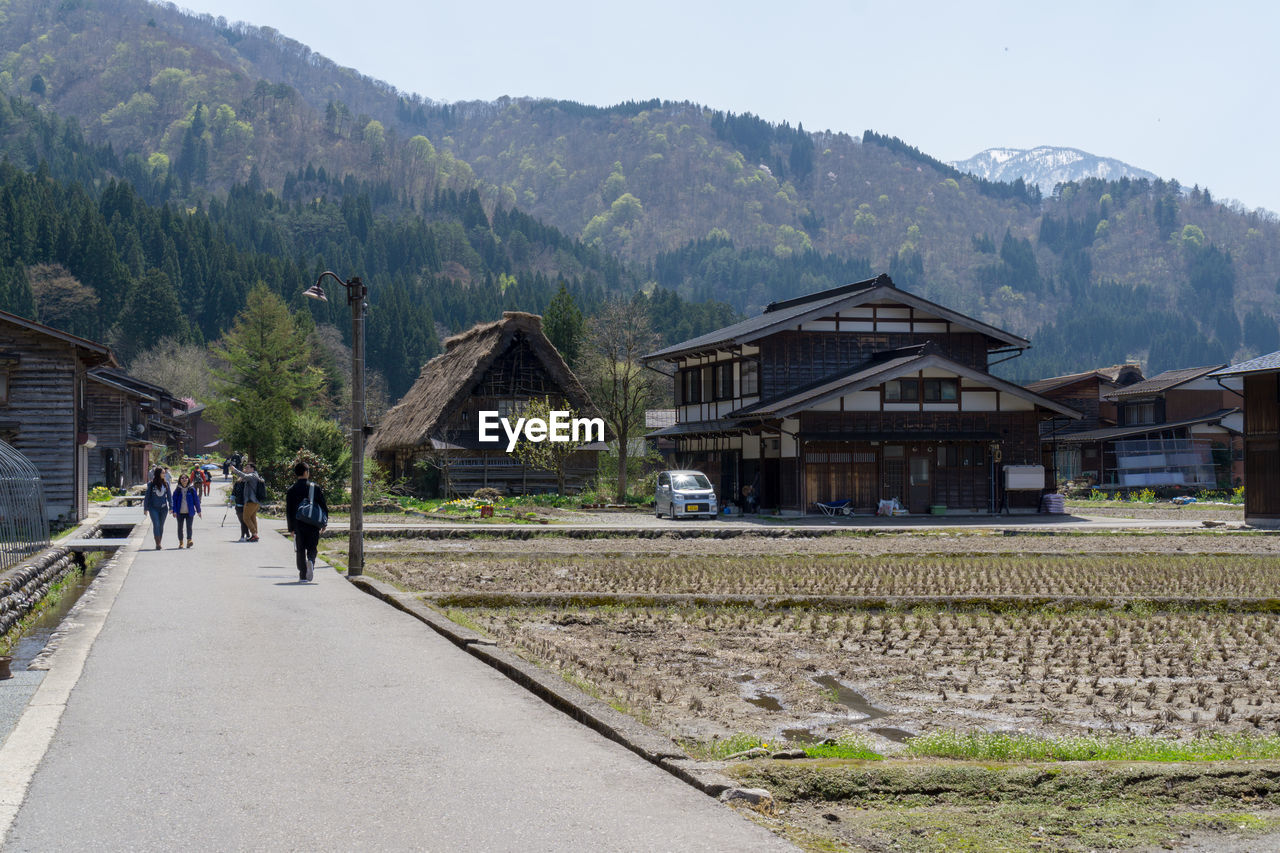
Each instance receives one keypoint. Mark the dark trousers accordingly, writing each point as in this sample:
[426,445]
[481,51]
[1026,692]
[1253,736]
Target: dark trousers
[244,530]
[184,518]
[306,541]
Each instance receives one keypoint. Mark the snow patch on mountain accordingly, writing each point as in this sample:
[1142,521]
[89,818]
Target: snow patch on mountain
[1046,166]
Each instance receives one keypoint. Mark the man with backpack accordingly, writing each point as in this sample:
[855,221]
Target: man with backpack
[306,514]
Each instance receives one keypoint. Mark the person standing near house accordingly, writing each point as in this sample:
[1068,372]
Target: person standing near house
[186,505]
[255,492]
[155,502]
[306,537]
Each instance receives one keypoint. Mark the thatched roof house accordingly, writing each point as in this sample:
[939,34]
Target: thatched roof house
[496,366]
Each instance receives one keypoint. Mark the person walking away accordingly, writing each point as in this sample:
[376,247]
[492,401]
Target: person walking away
[306,536]
[186,505]
[237,497]
[155,502]
[208,481]
[226,469]
[255,492]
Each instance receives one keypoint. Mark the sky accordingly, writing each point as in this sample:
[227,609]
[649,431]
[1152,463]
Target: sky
[1184,90]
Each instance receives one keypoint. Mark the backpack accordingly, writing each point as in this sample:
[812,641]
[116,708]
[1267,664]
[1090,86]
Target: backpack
[310,512]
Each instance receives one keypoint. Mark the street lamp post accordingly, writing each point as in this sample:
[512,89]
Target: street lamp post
[356,292]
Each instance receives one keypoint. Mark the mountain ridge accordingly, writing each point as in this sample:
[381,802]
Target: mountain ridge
[1046,166]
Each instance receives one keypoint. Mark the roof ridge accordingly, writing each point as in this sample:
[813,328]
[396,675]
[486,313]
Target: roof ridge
[881,280]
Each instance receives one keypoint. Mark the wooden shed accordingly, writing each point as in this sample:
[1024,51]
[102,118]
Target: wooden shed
[43,412]
[498,366]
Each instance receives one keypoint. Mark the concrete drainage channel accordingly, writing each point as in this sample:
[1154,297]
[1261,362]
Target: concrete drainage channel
[560,694]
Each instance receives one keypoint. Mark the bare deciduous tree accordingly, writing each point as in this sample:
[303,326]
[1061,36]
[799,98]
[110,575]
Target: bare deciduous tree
[619,385]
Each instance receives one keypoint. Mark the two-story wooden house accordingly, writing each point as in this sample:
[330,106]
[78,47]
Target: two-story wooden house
[43,407]
[1180,428]
[862,392]
[1088,393]
[127,418]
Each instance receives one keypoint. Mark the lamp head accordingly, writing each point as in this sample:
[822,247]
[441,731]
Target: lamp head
[315,291]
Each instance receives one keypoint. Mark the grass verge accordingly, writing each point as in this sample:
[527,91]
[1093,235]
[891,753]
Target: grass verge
[992,746]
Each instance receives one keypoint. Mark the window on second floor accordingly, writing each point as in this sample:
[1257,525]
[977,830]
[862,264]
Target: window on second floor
[922,391]
[724,381]
[750,379]
[1139,413]
[691,386]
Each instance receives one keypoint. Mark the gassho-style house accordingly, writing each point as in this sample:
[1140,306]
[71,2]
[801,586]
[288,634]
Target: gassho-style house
[862,393]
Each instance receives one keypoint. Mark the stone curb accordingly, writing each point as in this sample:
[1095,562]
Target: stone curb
[559,693]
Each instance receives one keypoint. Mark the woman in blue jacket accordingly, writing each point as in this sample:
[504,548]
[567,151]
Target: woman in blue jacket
[155,503]
[186,505]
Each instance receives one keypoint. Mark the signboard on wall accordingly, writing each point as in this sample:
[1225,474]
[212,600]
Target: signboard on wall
[1024,477]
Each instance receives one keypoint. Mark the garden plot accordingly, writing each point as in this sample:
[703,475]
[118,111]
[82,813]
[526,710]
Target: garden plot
[1179,636]
[706,673]
[972,577]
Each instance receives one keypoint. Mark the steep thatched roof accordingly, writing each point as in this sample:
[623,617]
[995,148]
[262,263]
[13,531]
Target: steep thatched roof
[451,377]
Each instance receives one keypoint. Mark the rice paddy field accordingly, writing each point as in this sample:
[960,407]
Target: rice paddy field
[899,643]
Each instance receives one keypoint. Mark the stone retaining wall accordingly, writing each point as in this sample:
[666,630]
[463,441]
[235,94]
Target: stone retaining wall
[25,585]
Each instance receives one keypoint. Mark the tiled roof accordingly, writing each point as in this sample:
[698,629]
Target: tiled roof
[1108,433]
[1269,363]
[1162,382]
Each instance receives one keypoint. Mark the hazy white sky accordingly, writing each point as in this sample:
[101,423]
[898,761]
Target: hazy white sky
[1185,90]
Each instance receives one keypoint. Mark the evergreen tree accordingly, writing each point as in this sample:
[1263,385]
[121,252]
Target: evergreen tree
[266,375]
[564,325]
[151,313]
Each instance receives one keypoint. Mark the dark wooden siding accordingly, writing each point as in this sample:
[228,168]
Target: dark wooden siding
[40,416]
[1262,446]
[789,360]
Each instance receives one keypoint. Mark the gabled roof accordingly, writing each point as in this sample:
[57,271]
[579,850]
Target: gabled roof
[1111,433]
[1262,364]
[1112,375]
[114,377]
[449,378]
[901,363]
[790,313]
[1162,382]
[97,353]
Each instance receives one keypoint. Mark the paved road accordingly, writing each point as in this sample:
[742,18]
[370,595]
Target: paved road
[225,706]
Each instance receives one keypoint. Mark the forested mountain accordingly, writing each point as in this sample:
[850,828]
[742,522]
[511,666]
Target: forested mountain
[706,203]
[83,251]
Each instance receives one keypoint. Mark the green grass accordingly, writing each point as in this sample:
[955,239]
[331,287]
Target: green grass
[721,748]
[991,746]
[851,746]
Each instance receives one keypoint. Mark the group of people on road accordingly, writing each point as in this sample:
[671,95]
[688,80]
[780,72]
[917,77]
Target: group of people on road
[183,501]
[249,491]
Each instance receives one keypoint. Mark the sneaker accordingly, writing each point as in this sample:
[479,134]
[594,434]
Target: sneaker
[253,538]
[311,570]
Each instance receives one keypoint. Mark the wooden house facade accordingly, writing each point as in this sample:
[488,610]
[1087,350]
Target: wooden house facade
[863,392]
[499,367]
[128,418]
[44,407]
[1177,429]
[1088,393]
[1259,380]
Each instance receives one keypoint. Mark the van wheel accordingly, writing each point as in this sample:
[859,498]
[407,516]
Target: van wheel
[657,513]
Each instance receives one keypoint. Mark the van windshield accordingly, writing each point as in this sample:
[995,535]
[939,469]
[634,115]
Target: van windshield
[690,481]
